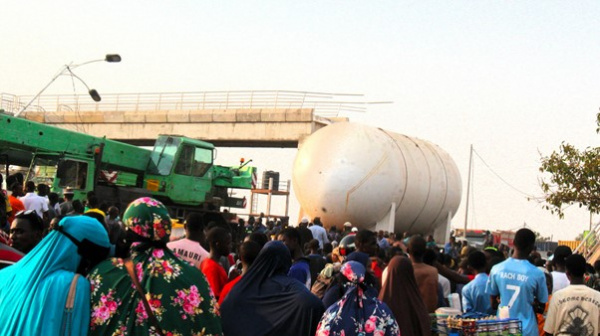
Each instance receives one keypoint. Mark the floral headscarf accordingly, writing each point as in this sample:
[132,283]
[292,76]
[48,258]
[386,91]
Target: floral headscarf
[357,312]
[354,272]
[149,219]
[177,292]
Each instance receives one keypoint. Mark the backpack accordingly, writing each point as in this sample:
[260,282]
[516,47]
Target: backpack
[324,280]
[321,286]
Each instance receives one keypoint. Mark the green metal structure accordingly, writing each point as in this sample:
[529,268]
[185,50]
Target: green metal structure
[179,171]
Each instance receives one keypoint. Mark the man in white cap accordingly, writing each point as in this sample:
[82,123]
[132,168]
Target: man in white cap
[347,229]
[305,234]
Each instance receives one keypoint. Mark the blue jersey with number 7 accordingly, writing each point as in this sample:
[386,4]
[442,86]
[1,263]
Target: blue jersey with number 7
[518,283]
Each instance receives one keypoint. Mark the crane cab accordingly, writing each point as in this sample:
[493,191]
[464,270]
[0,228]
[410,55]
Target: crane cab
[179,169]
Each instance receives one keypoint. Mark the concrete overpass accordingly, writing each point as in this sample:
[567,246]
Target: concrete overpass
[224,128]
[231,119]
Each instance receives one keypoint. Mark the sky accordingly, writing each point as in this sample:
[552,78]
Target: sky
[512,78]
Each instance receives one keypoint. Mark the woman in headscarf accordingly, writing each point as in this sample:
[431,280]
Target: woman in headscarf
[358,312]
[401,293]
[335,292]
[41,294]
[176,292]
[267,302]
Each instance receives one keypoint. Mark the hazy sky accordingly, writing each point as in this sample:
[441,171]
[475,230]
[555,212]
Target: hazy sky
[513,78]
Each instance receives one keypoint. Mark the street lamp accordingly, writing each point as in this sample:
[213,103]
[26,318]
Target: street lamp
[68,68]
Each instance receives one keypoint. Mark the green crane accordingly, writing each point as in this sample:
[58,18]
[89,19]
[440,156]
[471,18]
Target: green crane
[178,171]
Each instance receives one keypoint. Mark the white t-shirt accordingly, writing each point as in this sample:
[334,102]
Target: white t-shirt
[574,310]
[319,233]
[189,250]
[445,285]
[559,281]
[32,201]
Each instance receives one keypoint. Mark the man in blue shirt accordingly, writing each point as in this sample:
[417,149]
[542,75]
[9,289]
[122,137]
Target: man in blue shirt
[474,297]
[519,284]
[450,248]
[300,269]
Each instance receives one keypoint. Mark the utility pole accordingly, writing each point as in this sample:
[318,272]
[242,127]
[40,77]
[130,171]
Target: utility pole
[468,190]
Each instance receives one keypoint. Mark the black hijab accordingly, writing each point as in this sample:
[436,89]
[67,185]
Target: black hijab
[267,302]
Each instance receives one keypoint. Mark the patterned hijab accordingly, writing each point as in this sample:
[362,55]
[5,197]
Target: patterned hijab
[357,312]
[148,224]
[177,292]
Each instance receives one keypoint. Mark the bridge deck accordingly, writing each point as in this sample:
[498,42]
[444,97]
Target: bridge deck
[235,118]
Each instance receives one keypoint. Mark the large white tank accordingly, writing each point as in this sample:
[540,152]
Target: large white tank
[357,173]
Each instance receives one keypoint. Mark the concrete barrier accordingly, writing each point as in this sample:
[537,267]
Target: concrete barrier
[114,117]
[201,116]
[159,116]
[247,115]
[223,115]
[242,127]
[174,116]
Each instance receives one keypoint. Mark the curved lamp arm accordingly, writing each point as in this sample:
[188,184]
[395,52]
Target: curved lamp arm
[110,58]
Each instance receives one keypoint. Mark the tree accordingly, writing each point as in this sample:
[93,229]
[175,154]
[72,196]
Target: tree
[574,177]
[539,238]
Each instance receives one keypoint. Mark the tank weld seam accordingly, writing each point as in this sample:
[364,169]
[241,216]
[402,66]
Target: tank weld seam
[364,179]
[422,151]
[445,173]
[405,166]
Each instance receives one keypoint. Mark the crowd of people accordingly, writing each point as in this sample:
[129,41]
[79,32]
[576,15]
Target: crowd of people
[79,268]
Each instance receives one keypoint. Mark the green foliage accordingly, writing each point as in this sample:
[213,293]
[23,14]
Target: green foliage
[574,177]
[589,236]
[540,238]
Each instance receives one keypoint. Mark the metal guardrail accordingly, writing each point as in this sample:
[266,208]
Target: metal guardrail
[324,104]
[590,243]
[278,186]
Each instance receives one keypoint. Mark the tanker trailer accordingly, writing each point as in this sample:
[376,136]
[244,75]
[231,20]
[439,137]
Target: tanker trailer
[377,180]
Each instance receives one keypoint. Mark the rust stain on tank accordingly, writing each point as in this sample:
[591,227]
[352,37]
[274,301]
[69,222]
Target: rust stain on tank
[364,179]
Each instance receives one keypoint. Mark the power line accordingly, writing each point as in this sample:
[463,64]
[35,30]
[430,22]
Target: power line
[502,179]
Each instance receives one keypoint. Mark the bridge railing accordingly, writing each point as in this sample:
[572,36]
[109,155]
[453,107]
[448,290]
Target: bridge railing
[324,104]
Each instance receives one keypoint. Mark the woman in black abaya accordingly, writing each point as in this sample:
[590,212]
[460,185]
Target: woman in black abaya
[267,302]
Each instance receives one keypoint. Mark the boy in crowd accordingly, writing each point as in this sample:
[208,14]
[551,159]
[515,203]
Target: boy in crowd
[559,276]
[249,250]
[219,241]
[15,203]
[474,298]
[34,202]
[574,310]
[519,285]
[190,248]
[425,275]
[300,269]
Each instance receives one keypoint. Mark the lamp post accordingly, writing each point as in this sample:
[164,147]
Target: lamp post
[68,69]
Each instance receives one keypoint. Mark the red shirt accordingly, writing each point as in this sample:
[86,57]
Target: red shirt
[228,288]
[215,274]
[16,206]
[377,271]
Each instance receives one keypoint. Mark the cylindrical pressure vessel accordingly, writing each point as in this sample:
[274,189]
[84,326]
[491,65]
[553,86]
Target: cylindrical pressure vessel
[352,172]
